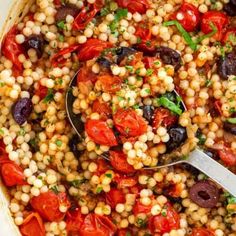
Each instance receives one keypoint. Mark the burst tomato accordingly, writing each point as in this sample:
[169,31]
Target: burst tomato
[188,16]
[119,162]
[92,49]
[32,225]
[85,74]
[102,108]
[94,225]
[202,232]
[102,166]
[218,19]
[129,123]
[41,91]
[230,36]
[172,217]
[11,50]
[134,6]
[3,153]
[125,182]
[140,208]
[227,156]
[74,220]
[115,196]
[47,205]
[100,133]
[110,83]
[11,173]
[149,62]
[163,117]
[158,224]
[124,232]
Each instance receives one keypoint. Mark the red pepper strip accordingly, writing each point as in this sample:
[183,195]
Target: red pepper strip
[58,57]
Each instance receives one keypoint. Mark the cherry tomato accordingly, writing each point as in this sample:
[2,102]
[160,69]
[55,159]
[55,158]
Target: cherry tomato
[58,59]
[100,133]
[124,232]
[85,74]
[129,123]
[74,220]
[92,49]
[230,36]
[172,217]
[140,208]
[32,225]
[188,16]
[110,83]
[102,166]
[95,225]
[149,62]
[11,50]
[125,182]
[202,232]
[227,156]
[41,91]
[3,153]
[47,205]
[102,108]
[134,6]
[217,18]
[163,117]
[11,173]
[119,162]
[159,224]
[57,2]
[143,32]
[115,196]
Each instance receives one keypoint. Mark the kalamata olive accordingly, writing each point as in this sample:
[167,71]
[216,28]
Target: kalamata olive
[35,42]
[73,142]
[21,110]
[148,113]
[233,2]
[104,62]
[65,10]
[178,135]
[227,65]
[194,171]
[204,193]
[169,56]
[231,128]
[230,9]
[123,52]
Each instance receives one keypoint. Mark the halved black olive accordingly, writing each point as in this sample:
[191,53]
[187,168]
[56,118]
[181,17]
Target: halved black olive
[36,42]
[178,135]
[233,2]
[169,56]
[227,65]
[230,9]
[104,62]
[73,142]
[231,128]
[148,112]
[21,110]
[123,52]
[65,10]
[204,193]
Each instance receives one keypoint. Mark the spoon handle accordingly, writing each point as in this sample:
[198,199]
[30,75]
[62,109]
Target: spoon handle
[214,170]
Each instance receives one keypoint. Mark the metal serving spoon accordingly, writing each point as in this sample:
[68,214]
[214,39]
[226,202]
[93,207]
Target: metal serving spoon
[196,158]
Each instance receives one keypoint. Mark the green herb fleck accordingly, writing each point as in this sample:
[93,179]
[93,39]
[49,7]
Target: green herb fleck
[2,84]
[104,11]
[99,190]
[136,106]
[1,132]
[201,139]
[208,83]
[232,120]
[55,189]
[165,102]
[21,132]
[61,25]
[49,97]
[139,40]
[141,223]
[149,72]
[127,234]
[108,175]
[59,143]
[164,213]
[147,90]
[120,13]
[61,38]
[232,110]
[130,68]
[127,130]
[76,183]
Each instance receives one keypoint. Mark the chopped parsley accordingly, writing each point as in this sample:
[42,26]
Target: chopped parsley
[232,110]
[230,199]
[164,213]
[108,175]
[76,183]
[165,102]
[21,132]
[136,106]
[59,81]
[1,132]
[49,97]
[61,25]
[148,90]
[141,223]
[104,11]
[130,68]
[149,72]
[59,143]
[119,14]
[208,83]
[232,120]
[2,84]
[61,38]
[99,190]
[55,189]
[139,40]
[201,139]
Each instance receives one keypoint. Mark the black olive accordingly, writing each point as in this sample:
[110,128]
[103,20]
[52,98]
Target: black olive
[169,56]
[231,128]
[123,52]
[204,194]
[194,171]
[230,9]
[104,62]
[211,153]
[233,2]
[73,142]
[65,10]
[35,42]
[227,65]
[178,135]
[21,110]
[148,112]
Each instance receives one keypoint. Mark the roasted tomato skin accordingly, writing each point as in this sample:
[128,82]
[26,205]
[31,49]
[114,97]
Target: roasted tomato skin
[74,220]
[190,16]
[102,108]
[129,123]
[47,205]
[202,232]
[119,162]
[227,156]
[32,225]
[219,19]
[134,6]
[110,83]
[100,133]
[140,208]
[115,196]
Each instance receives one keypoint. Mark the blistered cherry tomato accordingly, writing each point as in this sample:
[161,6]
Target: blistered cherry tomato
[115,196]
[74,220]
[119,162]
[172,217]
[134,6]
[102,108]
[218,19]
[159,224]
[47,205]
[100,133]
[32,225]
[41,91]
[129,123]
[92,49]
[188,16]
[102,166]
[140,208]
[228,156]
[230,36]
[202,232]
[124,232]
[110,83]
[94,225]
[125,182]
[163,117]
